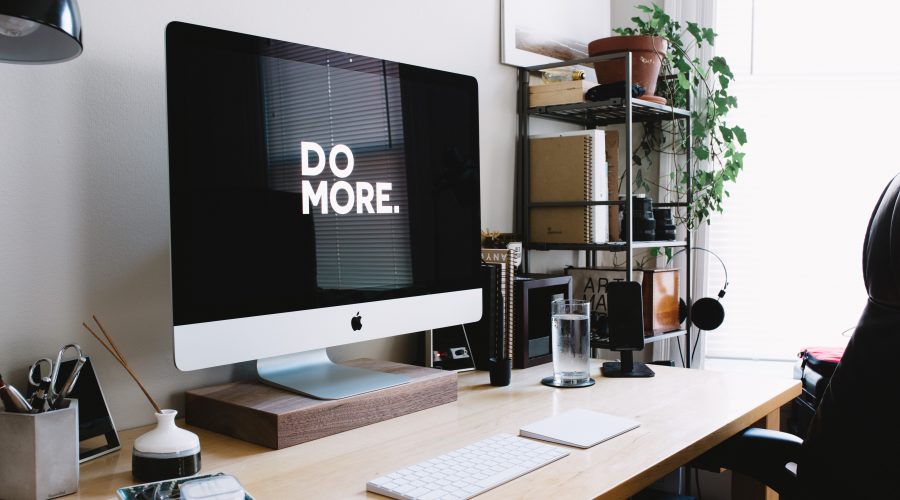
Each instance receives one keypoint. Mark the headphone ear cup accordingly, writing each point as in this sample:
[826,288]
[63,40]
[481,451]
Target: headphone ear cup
[707,314]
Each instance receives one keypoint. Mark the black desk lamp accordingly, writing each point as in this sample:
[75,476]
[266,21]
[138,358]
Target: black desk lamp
[39,31]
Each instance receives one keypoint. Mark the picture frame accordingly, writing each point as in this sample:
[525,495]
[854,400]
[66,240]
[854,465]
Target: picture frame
[539,32]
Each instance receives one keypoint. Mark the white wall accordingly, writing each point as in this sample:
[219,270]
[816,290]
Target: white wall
[83,170]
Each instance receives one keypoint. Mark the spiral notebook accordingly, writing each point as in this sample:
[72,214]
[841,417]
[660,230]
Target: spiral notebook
[569,166]
[579,428]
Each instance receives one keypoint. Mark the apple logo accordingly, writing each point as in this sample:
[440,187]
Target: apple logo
[356,322]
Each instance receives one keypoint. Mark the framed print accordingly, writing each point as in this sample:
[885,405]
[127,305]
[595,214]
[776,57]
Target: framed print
[544,31]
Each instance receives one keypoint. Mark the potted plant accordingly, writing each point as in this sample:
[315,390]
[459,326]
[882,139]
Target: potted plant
[715,144]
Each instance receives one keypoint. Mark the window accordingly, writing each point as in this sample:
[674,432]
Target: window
[820,107]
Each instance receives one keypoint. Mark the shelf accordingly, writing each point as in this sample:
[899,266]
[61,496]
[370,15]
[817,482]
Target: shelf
[647,340]
[622,110]
[613,246]
[543,204]
[609,112]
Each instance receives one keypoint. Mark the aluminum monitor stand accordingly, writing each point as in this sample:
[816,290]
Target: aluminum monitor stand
[314,374]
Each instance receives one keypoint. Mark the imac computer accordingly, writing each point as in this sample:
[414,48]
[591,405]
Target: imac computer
[318,198]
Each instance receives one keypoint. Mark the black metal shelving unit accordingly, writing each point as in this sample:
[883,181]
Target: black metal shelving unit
[627,111]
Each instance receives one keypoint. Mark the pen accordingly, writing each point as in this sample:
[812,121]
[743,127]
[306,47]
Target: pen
[69,384]
[13,401]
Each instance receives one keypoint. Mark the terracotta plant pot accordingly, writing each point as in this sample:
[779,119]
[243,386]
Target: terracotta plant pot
[647,53]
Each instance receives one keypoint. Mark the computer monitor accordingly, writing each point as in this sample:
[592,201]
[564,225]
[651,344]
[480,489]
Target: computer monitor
[318,198]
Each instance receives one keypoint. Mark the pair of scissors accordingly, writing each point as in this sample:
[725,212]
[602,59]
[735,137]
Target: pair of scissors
[43,387]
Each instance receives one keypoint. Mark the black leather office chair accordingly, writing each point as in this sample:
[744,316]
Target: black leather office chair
[852,449]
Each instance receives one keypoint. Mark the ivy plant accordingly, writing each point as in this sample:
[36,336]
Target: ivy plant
[713,141]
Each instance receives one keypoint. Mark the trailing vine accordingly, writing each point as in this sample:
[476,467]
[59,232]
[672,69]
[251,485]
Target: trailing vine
[714,143]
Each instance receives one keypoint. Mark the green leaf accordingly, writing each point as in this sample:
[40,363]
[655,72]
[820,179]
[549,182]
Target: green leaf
[683,82]
[694,30]
[726,132]
[709,35]
[739,134]
[644,8]
[723,81]
[719,65]
[701,154]
[720,101]
[698,130]
[664,18]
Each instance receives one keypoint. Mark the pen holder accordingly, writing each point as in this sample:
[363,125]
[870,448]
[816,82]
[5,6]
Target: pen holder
[40,453]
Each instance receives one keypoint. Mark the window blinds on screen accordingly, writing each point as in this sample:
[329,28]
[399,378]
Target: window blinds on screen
[330,98]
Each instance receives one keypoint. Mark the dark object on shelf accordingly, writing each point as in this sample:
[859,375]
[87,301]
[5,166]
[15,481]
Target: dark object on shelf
[39,31]
[611,90]
[531,334]
[644,223]
[665,224]
[500,372]
[626,329]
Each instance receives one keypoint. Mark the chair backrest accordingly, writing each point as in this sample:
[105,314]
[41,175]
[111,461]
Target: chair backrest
[856,419]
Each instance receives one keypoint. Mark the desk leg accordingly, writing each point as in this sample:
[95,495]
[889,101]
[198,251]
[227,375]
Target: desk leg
[746,488]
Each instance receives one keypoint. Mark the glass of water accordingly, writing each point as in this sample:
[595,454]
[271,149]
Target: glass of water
[570,321]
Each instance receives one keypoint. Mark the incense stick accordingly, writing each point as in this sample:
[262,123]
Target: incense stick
[117,354]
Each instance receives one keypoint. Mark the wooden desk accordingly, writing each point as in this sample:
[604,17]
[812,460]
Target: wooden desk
[682,413]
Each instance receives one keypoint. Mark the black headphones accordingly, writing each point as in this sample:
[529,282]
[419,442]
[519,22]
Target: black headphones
[706,313]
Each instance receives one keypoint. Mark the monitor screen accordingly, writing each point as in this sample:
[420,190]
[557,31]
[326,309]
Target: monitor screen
[309,186]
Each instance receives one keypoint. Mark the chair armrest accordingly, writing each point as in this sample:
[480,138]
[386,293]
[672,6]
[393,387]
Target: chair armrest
[762,454]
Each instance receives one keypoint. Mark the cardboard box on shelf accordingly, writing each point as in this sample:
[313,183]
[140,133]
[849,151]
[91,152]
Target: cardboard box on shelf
[551,94]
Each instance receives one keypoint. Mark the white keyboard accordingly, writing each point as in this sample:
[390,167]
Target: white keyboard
[469,471]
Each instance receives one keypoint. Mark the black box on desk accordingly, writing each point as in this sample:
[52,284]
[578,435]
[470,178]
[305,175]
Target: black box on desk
[531,330]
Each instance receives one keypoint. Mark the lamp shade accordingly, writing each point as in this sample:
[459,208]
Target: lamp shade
[39,31]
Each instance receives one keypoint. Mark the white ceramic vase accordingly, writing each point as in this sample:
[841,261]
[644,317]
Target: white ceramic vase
[166,452]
